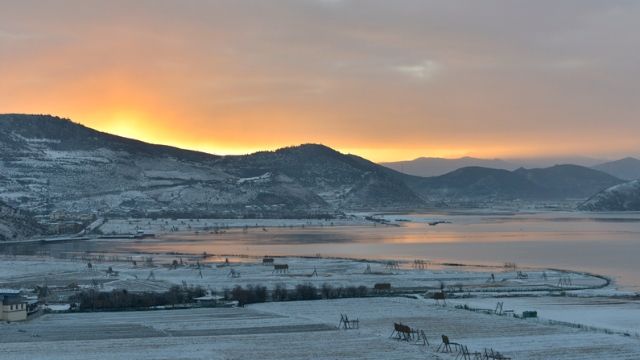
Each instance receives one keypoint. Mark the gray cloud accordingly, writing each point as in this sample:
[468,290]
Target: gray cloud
[499,78]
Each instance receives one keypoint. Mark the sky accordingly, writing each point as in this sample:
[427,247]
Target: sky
[386,80]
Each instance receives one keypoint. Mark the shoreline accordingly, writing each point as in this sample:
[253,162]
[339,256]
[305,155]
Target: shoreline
[596,304]
[128,246]
[468,271]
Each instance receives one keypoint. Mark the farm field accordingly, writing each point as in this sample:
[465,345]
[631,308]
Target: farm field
[303,329]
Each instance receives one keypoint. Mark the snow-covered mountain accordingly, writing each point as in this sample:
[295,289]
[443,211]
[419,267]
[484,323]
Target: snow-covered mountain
[48,163]
[623,197]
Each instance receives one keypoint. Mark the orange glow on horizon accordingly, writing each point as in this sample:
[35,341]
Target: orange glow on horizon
[135,125]
[232,78]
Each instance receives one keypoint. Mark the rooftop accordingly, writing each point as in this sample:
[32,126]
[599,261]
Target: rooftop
[9,292]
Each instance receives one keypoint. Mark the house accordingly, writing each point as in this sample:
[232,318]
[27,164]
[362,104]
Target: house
[209,300]
[57,215]
[13,307]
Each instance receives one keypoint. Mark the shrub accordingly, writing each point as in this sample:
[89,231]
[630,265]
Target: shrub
[350,291]
[280,292]
[326,291]
[306,291]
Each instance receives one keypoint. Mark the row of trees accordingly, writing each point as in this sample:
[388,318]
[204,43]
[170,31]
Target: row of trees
[307,291]
[122,299]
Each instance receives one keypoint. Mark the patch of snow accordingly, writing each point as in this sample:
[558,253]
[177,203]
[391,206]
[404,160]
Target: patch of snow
[260,178]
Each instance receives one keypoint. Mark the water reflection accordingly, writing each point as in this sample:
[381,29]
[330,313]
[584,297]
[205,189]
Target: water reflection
[605,244]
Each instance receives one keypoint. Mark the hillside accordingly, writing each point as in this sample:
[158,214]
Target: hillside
[16,225]
[48,163]
[477,184]
[626,169]
[338,178]
[569,181]
[623,197]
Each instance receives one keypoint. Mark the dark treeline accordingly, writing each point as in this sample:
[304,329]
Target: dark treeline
[249,295]
[307,291]
[122,299]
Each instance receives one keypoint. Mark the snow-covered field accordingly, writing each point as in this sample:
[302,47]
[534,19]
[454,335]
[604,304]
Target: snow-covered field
[300,330]
[211,272]
[617,314]
[581,316]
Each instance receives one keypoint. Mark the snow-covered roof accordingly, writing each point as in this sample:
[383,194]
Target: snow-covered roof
[210,297]
[9,292]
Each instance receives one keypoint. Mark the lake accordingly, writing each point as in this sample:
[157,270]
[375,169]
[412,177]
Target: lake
[605,244]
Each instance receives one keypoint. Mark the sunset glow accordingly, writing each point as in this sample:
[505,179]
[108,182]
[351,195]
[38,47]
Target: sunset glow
[383,81]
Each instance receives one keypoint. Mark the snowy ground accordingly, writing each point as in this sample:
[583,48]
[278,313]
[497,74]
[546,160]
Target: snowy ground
[295,330]
[580,315]
[27,271]
[611,313]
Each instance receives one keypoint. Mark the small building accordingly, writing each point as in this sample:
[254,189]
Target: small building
[57,215]
[209,300]
[13,307]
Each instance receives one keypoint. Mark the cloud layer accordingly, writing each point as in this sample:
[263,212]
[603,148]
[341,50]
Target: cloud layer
[386,80]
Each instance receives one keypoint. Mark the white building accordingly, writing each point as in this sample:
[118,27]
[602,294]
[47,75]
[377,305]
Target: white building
[209,300]
[13,307]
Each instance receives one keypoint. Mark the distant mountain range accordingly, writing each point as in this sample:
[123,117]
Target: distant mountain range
[569,181]
[427,167]
[537,163]
[624,197]
[48,163]
[475,183]
[626,169]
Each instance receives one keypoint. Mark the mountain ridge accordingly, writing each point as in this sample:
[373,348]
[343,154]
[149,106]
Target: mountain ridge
[623,197]
[433,166]
[626,169]
[571,181]
[48,163]
[476,183]
[430,166]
